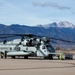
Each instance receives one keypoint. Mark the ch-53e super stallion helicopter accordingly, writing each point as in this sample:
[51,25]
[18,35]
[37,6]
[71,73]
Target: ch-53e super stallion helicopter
[28,45]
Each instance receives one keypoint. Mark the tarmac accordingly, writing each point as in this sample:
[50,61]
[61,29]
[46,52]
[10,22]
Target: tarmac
[36,66]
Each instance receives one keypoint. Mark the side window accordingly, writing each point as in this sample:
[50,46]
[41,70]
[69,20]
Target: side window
[10,48]
[43,47]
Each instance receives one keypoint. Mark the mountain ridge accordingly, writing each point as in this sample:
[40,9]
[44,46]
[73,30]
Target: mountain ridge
[51,30]
[62,24]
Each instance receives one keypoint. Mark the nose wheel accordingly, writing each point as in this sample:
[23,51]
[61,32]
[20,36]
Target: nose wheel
[50,56]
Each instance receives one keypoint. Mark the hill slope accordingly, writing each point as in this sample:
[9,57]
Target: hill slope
[61,30]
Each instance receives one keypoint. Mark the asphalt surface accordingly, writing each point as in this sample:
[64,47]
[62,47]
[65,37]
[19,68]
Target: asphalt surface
[36,66]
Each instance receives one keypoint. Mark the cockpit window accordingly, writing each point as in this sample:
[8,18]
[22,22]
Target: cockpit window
[43,47]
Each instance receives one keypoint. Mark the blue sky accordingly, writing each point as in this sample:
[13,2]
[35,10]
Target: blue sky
[34,12]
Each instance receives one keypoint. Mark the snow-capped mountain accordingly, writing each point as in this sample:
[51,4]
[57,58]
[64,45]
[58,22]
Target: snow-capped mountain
[66,24]
[62,24]
[54,24]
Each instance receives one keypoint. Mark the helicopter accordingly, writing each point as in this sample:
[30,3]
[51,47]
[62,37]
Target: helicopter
[27,45]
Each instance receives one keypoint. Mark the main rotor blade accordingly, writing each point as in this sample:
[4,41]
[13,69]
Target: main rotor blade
[63,40]
[14,35]
[32,35]
[2,37]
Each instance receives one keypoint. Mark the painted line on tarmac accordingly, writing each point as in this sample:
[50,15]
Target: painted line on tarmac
[35,68]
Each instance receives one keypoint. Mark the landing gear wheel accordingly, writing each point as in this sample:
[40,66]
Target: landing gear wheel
[51,56]
[13,57]
[1,54]
[25,57]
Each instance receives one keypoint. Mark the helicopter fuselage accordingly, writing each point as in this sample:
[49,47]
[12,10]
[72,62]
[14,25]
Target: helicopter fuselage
[20,48]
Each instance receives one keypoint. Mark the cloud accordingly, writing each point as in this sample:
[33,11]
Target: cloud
[51,4]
